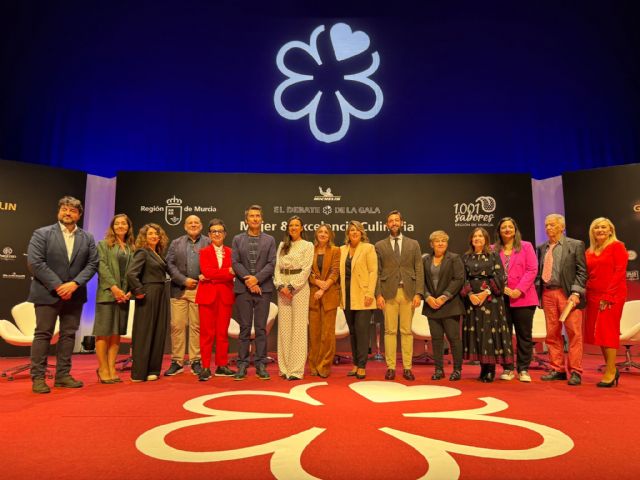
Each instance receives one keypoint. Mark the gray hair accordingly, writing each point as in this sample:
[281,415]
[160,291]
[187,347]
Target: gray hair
[556,216]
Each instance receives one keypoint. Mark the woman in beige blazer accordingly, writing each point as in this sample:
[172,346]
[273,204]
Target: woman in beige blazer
[359,274]
[323,302]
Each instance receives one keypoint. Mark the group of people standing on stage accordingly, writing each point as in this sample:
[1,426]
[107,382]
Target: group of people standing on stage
[476,299]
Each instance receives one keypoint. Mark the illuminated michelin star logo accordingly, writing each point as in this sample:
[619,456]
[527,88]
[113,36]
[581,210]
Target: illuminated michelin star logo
[346,44]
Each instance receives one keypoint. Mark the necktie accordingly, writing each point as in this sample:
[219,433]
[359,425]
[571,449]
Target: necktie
[396,247]
[547,266]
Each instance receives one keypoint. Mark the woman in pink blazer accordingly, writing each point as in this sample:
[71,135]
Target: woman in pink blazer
[215,299]
[521,299]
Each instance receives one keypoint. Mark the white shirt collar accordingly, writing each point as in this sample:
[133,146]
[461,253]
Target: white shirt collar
[65,230]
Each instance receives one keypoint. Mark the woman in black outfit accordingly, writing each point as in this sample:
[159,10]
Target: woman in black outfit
[443,279]
[485,333]
[147,278]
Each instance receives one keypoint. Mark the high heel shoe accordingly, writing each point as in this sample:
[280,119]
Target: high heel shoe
[610,384]
[100,378]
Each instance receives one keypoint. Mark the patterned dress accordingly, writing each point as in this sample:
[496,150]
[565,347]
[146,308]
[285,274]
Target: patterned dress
[485,332]
[293,315]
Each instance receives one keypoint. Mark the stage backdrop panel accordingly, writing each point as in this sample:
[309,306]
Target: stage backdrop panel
[454,203]
[29,197]
[607,192]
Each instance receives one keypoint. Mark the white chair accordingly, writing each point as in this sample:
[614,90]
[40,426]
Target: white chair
[21,334]
[538,335]
[342,331]
[234,329]
[629,332]
[421,331]
[125,363]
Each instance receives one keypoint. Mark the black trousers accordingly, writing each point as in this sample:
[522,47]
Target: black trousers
[150,324]
[46,316]
[252,310]
[451,327]
[359,322]
[521,318]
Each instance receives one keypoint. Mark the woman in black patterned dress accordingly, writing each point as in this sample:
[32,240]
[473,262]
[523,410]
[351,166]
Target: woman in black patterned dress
[485,332]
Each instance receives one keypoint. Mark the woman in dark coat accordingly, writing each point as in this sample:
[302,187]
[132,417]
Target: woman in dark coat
[443,279]
[147,277]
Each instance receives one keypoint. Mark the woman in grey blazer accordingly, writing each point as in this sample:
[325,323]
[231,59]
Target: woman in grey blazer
[112,297]
[443,279]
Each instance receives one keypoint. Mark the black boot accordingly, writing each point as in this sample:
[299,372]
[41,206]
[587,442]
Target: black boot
[483,372]
[491,373]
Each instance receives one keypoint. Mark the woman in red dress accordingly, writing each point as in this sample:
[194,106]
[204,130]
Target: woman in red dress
[606,293]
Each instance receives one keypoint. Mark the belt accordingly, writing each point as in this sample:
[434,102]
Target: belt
[551,287]
[290,271]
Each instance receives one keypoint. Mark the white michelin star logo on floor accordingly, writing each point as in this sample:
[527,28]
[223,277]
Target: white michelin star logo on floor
[346,44]
[287,452]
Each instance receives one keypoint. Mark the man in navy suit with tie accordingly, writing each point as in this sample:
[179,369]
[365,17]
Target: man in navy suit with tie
[62,258]
[253,261]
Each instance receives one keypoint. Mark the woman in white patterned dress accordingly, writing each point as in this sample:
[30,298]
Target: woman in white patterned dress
[291,278]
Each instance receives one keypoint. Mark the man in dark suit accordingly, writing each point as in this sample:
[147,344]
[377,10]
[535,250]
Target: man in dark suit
[398,292]
[561,280]
[254,260]
[183,262]
[62,258]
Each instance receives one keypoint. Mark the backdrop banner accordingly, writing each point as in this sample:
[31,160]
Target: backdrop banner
[29,197]
[454,203]
[607,192]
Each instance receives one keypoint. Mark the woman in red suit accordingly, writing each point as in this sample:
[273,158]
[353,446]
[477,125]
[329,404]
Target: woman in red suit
[215,300]
[606,293]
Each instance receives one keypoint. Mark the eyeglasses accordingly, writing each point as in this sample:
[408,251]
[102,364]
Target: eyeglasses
[216,232]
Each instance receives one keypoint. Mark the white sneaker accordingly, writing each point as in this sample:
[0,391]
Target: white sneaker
[152,378]
[507,375]
[523,376]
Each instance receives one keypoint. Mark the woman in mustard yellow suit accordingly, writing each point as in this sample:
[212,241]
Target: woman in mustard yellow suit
[359,274]
[323,302]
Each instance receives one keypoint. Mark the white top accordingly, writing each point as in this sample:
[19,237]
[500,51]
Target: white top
[69,238]
[299,257]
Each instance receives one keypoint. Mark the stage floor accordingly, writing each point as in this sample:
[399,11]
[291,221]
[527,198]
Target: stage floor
[334,428]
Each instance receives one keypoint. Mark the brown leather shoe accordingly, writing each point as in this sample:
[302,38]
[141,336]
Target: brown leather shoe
[408,375]
[352,373]
[390,375]
[67,382]
[361,374]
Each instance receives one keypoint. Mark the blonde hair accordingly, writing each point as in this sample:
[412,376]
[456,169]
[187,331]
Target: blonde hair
[593,246]
[358,226]
[329,230]
[438,234]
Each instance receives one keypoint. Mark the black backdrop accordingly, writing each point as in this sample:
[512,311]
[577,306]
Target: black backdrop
[607,192]
[29,197]
[454,203]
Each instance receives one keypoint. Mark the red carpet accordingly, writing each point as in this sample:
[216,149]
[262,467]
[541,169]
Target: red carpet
[338,428]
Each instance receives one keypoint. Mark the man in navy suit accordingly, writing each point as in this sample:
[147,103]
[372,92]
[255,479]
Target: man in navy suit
[253,261]
[62,258]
